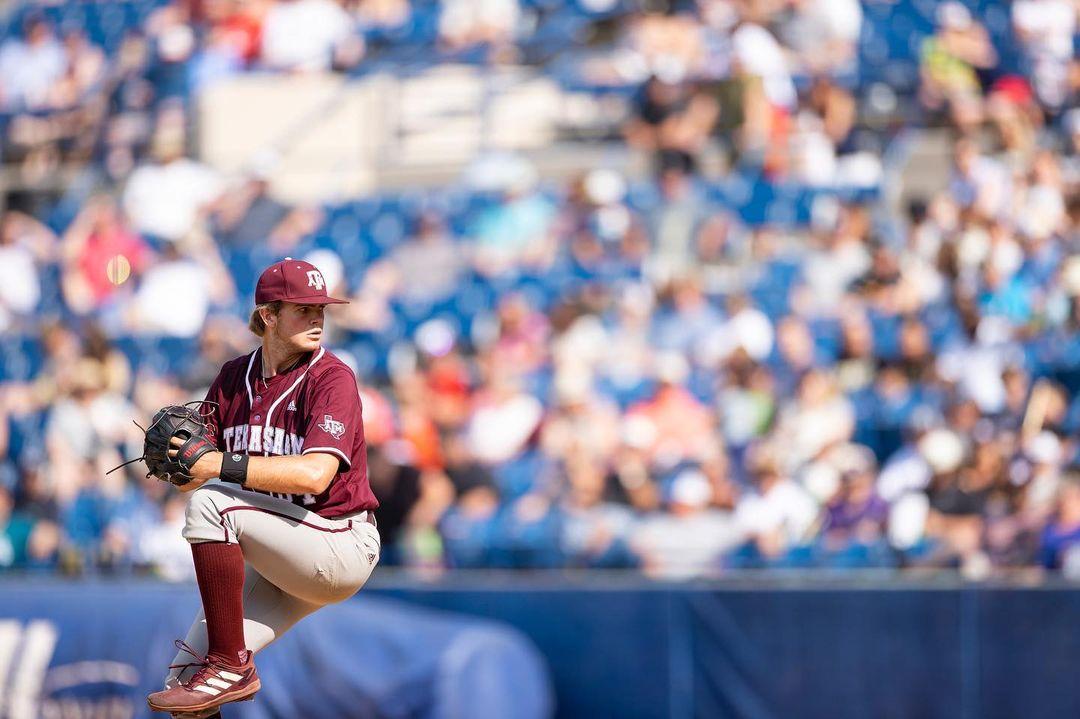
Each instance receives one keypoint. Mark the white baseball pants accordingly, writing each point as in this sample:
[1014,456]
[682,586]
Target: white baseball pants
[297,561]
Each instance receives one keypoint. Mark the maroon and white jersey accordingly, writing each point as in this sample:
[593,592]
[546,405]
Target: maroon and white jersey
[314,407]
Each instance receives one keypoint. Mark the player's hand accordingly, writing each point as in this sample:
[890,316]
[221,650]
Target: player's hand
[207,467]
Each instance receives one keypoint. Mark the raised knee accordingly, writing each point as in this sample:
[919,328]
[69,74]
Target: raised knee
[200,503]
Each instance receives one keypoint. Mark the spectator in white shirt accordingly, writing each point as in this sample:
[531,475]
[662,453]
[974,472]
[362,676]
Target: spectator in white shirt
[823,33]
[163,548]
[24,242]
[200,278]
[757,53]
[692,537]
[768,95]
[819,417]
[466,23]
[309,36]
[504,418]
[1046,29]
[31,66]
[779,514]
[979,182]
[166,198]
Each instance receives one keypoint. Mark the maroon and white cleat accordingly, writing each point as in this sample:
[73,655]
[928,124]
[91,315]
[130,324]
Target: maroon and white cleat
[212,685]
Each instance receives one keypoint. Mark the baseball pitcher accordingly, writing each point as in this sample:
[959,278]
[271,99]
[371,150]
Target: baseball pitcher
[288,528]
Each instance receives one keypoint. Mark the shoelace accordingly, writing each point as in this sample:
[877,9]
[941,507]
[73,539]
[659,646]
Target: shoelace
[206,669]
[201,661]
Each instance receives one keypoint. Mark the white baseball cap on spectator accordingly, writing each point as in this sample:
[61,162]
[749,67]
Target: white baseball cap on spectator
[638,432]
[973,247]
[1007,257]
[1043,212]
[177,43]
[943,450]
[1044,448]
[954,16]
[690,488]
[636,298]
[753,332]
[573,386]
[820,479]
[907,519]
[672,368]
[435,337]
[1070,275]
[605,186]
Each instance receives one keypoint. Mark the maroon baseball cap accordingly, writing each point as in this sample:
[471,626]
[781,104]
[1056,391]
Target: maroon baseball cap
[293,281]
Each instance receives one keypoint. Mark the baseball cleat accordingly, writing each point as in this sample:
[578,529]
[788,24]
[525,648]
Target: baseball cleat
[212,685]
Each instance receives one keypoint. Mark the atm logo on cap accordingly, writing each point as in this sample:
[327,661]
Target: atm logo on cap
[315,279]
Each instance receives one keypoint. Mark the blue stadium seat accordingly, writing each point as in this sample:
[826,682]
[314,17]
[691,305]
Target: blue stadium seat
[388,229]
[827,337]
[26,439]
[521,474]
[367,357]
[20,357]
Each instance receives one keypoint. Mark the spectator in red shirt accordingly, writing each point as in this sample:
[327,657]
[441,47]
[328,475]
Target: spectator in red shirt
[673,425]
[99,234]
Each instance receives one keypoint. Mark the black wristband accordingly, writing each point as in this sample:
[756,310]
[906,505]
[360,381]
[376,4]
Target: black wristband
[234,468]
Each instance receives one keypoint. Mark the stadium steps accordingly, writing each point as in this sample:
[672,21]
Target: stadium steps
[560,161]
[926,171]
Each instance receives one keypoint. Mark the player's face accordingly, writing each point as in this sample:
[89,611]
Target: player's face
[300,326]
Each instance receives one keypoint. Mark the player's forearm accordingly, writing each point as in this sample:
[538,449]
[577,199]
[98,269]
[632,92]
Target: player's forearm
[293,474]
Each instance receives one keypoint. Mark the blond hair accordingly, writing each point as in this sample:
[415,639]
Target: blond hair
[256,323]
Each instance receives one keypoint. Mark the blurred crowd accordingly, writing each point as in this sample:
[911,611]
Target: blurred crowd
[790,87]
[782,84]
[599,374]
